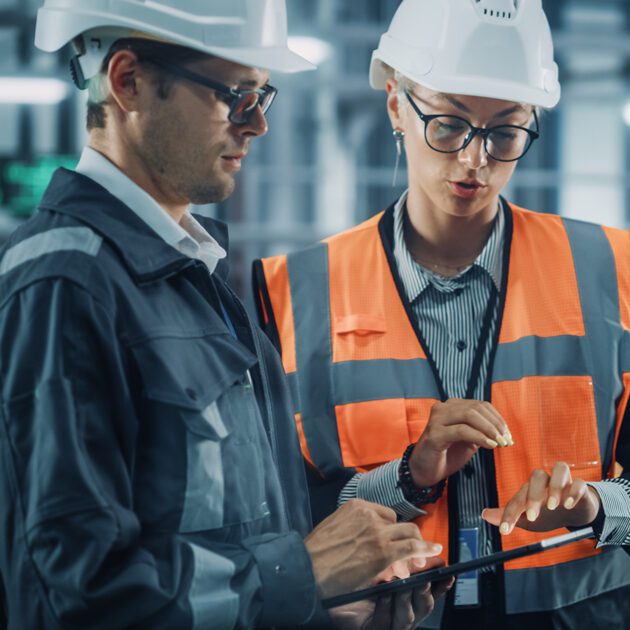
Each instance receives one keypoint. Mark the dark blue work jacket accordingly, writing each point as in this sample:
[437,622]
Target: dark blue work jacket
[145,479]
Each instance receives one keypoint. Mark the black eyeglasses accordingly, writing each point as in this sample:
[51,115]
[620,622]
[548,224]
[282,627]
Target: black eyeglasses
[450,134]
[242,103]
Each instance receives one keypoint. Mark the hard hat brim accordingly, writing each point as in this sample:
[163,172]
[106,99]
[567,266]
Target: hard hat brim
[274,58]
[505,91]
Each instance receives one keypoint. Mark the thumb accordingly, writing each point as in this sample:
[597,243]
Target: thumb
[492,516]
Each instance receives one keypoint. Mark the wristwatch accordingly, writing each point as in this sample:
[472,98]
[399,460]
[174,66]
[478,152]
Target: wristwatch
[412,493]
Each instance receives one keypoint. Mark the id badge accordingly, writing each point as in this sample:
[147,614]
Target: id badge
[467,584]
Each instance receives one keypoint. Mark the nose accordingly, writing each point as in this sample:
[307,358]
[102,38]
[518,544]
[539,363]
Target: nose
[474,155]
[256,124]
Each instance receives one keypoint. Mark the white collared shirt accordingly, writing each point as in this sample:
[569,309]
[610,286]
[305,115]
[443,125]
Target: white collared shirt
[188,237]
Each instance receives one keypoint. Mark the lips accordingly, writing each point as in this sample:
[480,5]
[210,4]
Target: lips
[470,183]
[234,161]
[467,189]
[236,156]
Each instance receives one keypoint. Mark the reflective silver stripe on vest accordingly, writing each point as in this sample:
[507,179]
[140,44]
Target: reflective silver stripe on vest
[550,588]
[79,239]
[358,381]
[361,381]
[308,278]
[541,356]
[596,274]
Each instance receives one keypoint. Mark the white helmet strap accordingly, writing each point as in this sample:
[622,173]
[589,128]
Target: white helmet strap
[91,49]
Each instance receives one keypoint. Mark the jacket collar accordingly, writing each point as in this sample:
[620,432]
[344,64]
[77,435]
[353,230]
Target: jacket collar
[146,255]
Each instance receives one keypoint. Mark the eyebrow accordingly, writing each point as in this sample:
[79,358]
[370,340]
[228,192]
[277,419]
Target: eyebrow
[508,111]
[250,83]
[457,103]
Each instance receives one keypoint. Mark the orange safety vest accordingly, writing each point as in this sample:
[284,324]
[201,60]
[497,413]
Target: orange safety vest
[364,385]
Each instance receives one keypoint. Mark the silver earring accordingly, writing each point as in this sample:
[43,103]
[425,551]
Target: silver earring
[399,139]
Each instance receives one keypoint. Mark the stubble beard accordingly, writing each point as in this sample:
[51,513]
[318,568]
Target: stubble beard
[206,192]
[180,170]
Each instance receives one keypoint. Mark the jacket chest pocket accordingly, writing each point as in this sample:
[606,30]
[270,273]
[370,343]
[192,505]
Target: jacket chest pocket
[200,408]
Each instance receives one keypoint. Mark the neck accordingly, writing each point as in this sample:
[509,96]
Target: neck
[446,242]
[132,165]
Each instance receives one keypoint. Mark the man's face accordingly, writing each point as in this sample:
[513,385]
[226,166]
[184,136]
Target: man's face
[186,141]
[438,177]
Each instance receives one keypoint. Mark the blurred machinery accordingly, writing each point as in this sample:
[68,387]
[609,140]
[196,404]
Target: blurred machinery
[327,161]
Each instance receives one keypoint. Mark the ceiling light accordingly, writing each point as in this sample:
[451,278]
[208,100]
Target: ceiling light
[315,50]
[626,113]
[32,90]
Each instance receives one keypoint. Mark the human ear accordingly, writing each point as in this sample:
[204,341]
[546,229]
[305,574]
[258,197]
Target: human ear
[393,103]
[123,75]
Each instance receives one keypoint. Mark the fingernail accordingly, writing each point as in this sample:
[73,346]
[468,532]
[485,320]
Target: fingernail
[483,513]
[504,529]
[436,547]
[508,437]
[491,443]
[501,440]
[552,503]
[569,503]
[531,515]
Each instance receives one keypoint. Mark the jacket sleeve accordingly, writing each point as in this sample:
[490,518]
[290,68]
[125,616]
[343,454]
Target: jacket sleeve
[73,548]
[613,523]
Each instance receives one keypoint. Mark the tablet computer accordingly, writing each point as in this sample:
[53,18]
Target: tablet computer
[441,573]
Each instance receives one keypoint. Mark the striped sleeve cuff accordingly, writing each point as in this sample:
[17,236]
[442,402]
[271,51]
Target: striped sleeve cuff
[381,486]
[615,497]
[349,491]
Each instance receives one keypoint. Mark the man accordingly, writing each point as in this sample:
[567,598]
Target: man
[151,475]
[445,349]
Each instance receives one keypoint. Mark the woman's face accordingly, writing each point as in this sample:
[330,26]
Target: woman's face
[460,184]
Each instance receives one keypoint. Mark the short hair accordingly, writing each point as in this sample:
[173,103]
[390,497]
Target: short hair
[147,51]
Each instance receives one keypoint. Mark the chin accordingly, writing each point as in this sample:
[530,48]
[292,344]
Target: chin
[464,207]
[212,193]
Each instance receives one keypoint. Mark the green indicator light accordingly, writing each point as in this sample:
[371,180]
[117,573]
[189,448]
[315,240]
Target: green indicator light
[23,184]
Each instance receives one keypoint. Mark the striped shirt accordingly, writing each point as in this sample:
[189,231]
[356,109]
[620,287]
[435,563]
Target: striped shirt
[450,314]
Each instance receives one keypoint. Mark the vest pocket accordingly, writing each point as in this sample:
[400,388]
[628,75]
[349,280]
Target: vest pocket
[552,419]
[360,324]
[372,432]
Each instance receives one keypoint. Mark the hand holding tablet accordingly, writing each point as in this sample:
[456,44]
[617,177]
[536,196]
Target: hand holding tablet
[442,573]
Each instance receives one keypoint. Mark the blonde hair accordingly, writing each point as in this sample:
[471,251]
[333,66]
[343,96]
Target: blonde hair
[405,84]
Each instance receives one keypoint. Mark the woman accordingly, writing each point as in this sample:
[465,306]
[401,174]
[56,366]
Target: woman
[457,352]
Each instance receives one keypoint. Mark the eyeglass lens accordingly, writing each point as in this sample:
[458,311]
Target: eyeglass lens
[246,102]
[449,134]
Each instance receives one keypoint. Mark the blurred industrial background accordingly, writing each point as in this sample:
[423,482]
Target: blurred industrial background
[328,159]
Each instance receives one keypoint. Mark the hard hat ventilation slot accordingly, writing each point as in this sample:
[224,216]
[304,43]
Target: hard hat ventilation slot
[497,9]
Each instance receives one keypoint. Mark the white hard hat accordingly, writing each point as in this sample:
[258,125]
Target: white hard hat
[492,48]
[250,32]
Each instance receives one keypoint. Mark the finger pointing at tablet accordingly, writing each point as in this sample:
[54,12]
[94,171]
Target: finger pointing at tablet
[546,502]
